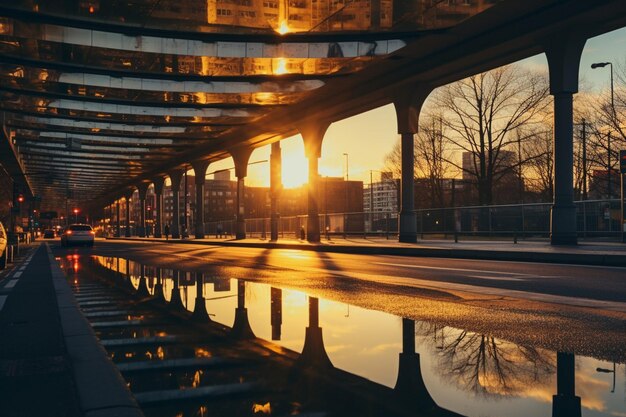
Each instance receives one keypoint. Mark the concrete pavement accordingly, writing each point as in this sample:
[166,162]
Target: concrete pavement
[586,253]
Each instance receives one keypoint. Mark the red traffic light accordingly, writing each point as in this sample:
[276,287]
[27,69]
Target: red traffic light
[20,198]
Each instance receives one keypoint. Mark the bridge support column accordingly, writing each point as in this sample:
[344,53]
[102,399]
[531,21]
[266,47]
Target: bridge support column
[118,226]
[159,183]
[241,156]
[199,169]
[276,187]
[313,135]
[176,176]
[563,53]
[314,352]
[410,384]
[276,297]
[241,327]
[128,197]
[143,192]
[408,105]
[199,311]
[565,403]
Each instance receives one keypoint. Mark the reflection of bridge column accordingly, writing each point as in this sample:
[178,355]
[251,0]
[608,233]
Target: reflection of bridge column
[241,156]
[313,352]
[565,403]
[158,288]
[313,135]
[175,300]
[241,328]
[199,309]
[563,53]
[159,183]
[143,193]
[408,104]
[199,169]
[128,197]
[176,176]
[410,384]
[142,289]
[276,312]
[275,188]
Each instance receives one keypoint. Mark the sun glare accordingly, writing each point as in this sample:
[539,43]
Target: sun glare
[280,66]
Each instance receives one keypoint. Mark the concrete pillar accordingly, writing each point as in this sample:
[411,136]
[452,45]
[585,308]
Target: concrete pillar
[199,169]
[408,104]
[118,226]
[241,156]
[128,197]
[199,311]
[563,53]
[176,177]
[314,353]
[241,327]
[313,135]
[276,297]
[410,383]
[565,403]
[276,188]
[143,192]
[176,301]
[159,183]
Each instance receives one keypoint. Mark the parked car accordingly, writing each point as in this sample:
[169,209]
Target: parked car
[3,247]
[79,234]
[49,234]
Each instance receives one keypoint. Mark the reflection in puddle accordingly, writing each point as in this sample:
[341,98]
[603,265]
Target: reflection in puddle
[413,365]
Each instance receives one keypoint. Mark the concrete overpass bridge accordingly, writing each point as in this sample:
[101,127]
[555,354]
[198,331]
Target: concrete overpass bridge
[102,98]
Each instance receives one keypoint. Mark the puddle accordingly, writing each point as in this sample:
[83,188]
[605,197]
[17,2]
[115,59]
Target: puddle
[373,363]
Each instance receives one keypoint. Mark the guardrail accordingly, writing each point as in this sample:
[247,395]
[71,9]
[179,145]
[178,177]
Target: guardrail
[595,218]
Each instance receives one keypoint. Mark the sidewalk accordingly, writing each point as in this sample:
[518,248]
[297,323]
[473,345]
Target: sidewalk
[49,356]
[586,253]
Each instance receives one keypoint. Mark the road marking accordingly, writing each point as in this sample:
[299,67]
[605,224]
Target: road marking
[22,268]
[17,274]
[11,283]
[496,278]
[3,298]
[441,268]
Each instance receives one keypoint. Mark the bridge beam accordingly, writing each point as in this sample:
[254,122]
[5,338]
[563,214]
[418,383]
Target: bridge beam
[118,226]
[563,53]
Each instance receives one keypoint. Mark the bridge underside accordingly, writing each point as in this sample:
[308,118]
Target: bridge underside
[99,97]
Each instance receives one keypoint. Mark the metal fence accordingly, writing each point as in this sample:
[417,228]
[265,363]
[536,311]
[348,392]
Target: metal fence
[595,218]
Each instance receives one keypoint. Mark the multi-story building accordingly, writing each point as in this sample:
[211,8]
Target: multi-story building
[382,196]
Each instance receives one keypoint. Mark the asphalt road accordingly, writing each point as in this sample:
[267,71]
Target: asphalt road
[522,279]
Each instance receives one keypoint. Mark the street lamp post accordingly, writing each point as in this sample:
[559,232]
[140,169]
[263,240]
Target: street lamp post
[613,120]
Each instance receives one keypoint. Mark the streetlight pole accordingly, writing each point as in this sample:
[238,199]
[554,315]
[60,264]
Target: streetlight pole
[613,121]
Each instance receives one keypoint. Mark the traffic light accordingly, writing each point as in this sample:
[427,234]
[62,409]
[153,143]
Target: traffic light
[20,198]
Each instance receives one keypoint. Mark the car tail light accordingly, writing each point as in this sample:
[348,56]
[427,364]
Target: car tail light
[69,232]
[92,232]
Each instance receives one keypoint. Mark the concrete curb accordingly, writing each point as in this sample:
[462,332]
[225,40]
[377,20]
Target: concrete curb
[101,389]
[499,255]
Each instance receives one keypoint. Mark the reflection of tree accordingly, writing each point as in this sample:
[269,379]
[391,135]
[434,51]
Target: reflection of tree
[486,365]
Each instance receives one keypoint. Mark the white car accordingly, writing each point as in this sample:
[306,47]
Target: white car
[3,247]
[78,234]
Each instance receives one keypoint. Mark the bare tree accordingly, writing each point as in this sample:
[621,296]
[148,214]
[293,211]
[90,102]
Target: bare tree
[431,153]
[481,112]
